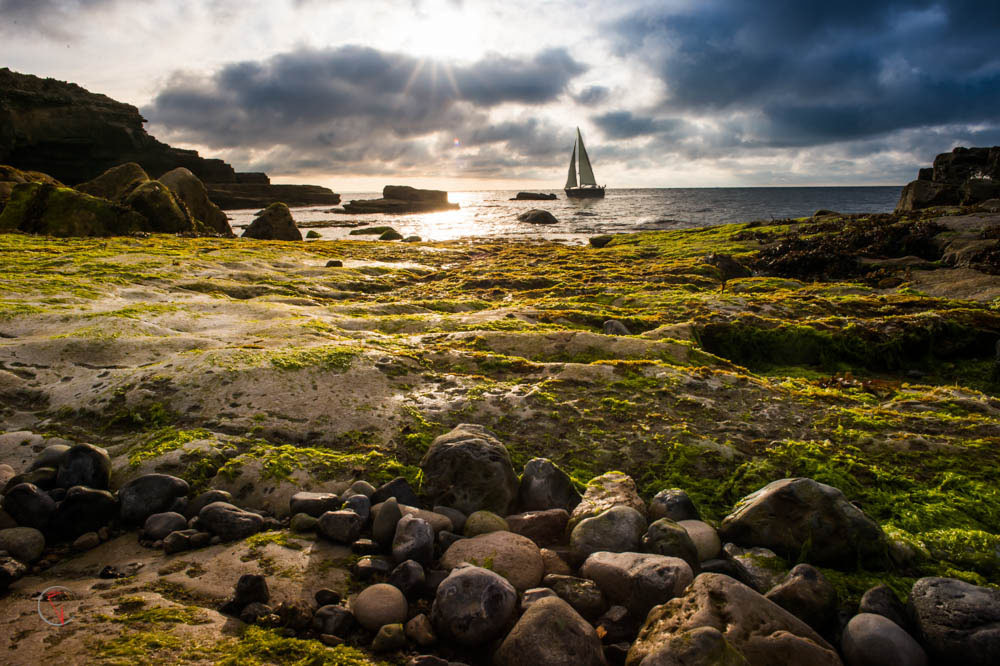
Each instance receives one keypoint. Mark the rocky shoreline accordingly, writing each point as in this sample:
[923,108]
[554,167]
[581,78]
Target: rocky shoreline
[254,410]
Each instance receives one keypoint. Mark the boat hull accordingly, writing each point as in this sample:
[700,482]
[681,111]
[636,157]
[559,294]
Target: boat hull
[585,192]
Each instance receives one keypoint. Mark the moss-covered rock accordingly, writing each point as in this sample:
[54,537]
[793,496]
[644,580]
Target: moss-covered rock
[116,183]
[157,204]
[191,191]
[274,223]
[60,211]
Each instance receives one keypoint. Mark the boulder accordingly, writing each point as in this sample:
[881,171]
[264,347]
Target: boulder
[582,594]
[362,487]
[414,540]
[665,537]
[705,538]
[469,469]
[148,494]
[617,530]
[456,517]
[389,637]
[536,216]
[606,491]
[274,223]
[874,640]
[803,519]
[187,188]
[84,465]
[398,488]
[514,557]
[409,577]
[761,631]
[204,499]
[332,619]
[35,208]
[29,506]
[84,510]
[881,600]
[303,522]
[24,544]
[809,596]
[702,646]
[340,526]
[116,183]
[597,242]
[360,505]
[157,204]
[759,568]
[387,515]
[473,606]
[958,622]
[672,503]
[315,504]
[251,588]
[229,522]
[551,632]
[637,581]
[545,528]
[544,486]
[420,630]
[50,456]
[159,525]
[484,522]
[379,605]
[390,235]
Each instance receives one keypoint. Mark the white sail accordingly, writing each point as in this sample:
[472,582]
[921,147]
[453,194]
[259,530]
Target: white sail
[586,173]
[571,178]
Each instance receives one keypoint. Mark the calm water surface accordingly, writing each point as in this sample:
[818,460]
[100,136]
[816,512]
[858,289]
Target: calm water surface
[491,214]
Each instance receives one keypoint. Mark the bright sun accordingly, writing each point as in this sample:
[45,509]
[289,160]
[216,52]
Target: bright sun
[446,29]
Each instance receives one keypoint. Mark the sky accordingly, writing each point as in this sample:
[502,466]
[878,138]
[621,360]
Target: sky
[465,95]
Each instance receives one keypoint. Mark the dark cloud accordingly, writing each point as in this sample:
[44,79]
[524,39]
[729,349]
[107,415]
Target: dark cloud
[777,73]
[592,95]
[354,104]
[52,18]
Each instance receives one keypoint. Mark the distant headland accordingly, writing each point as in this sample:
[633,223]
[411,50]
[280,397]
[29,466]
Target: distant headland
[75,135]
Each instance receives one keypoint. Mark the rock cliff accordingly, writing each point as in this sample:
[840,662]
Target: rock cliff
[75,135]
[965,176]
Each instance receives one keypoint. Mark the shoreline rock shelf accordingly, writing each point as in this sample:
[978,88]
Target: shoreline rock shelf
[795,418]
[427,588]
[399,199]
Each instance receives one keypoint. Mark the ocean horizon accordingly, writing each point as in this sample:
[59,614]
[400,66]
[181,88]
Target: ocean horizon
[491,213]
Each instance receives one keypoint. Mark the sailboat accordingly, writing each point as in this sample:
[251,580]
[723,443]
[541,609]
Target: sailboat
[587,187]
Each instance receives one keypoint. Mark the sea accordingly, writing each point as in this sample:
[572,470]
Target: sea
[492,214]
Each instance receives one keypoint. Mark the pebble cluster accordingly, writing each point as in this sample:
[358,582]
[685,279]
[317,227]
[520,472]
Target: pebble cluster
[518,569]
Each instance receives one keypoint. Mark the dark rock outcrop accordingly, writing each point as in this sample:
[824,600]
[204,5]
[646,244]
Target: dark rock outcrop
[536,216]
[74,135]
[958,622]
[274,223]
[965,176]
[533,196]
[189,189]
[402,199]
[233,196]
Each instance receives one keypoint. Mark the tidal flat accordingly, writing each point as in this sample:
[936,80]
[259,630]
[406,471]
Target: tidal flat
[860,352]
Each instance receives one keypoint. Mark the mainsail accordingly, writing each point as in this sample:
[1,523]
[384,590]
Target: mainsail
[586,173]
[571,178]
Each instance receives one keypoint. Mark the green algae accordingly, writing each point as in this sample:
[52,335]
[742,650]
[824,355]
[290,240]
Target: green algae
[164,440]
